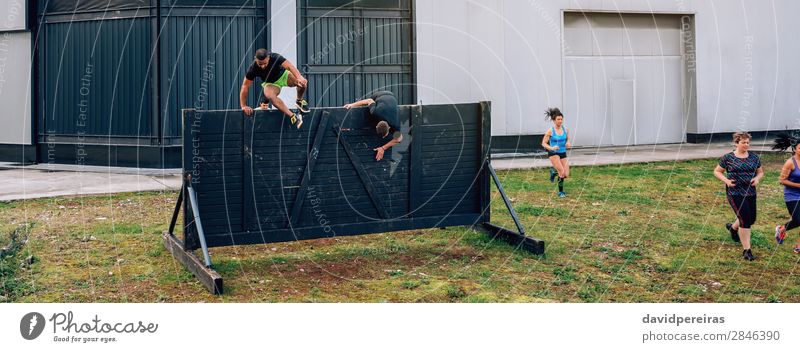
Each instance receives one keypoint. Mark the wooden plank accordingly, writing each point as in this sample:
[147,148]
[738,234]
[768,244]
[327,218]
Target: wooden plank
[484,185]
[461,140]
[449,132]
[312,160]
[452,149]
[226,159]
[274,167]
[361,203]
[343,178]
[349,229]
[227,143]
[452,206]
[190,239]
[246,209]
[362,174]
[218,136]
[533,245]
[217,166]
[207,276]
[450,113]
[415,163]
[438,176]
[176,211]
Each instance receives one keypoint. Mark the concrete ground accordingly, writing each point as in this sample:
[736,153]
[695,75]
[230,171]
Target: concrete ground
[50,180]
[47,180]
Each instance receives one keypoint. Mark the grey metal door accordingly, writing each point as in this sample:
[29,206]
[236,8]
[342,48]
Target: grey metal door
[623,111]
[351,48]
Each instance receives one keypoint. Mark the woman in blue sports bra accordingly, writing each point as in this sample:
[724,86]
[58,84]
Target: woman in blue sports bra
[790,179]
[556,142]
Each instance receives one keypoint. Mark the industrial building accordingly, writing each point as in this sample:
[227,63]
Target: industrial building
[103,82]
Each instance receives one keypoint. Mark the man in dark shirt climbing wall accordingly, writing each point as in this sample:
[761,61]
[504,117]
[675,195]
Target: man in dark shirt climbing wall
[383,113]
[275,72]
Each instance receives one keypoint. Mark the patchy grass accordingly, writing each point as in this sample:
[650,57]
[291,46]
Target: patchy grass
[631,233]
[13,258]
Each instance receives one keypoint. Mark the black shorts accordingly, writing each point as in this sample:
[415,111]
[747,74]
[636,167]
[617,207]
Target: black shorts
[562,155]
[745,209]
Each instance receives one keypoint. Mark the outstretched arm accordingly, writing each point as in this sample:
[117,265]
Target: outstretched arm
[365,102]
[718,173]
[380,150]
[243,96]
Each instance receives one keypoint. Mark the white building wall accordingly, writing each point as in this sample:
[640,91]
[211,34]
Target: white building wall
[284,39]
[747,72]
[12,15]
[15,74]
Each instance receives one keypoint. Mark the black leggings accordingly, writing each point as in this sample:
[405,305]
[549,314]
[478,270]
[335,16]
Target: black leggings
[745,209]
[794,211]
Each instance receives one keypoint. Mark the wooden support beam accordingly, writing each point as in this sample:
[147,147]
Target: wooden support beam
[365,180]
[177,209]
[207,276]
[533,245]
[312,160]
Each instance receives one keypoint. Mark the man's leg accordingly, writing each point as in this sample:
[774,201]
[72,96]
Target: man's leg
[301,91]
[302,104]
[271,92]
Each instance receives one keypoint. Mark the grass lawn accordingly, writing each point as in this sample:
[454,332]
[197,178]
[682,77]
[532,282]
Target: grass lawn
[631,233]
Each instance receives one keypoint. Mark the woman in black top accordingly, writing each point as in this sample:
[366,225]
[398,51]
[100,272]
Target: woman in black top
[744,172]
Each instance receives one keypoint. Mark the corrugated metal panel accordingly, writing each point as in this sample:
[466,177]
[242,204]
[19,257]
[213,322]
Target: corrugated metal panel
[349,50]
[70,6]
[95,80]
[204,58]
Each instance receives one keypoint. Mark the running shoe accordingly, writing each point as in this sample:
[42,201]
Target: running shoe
[302,105]
[297,120]
[562,195]
[748,255]
[780,234]
[553,174]
[734,233]
[796,249]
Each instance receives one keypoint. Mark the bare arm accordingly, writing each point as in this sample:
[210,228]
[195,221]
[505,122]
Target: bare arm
[365,102]
[568,145]
[546,141]
[719,174]
[759,176]
[243,96]
[380,150]
[301,81]
[787,169]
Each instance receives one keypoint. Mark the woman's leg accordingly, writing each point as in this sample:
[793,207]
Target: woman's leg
[565,167]
[794,212]
[747,214]
[733,203]
[556,161]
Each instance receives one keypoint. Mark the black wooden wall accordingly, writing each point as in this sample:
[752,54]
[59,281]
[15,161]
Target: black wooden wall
[260,180]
